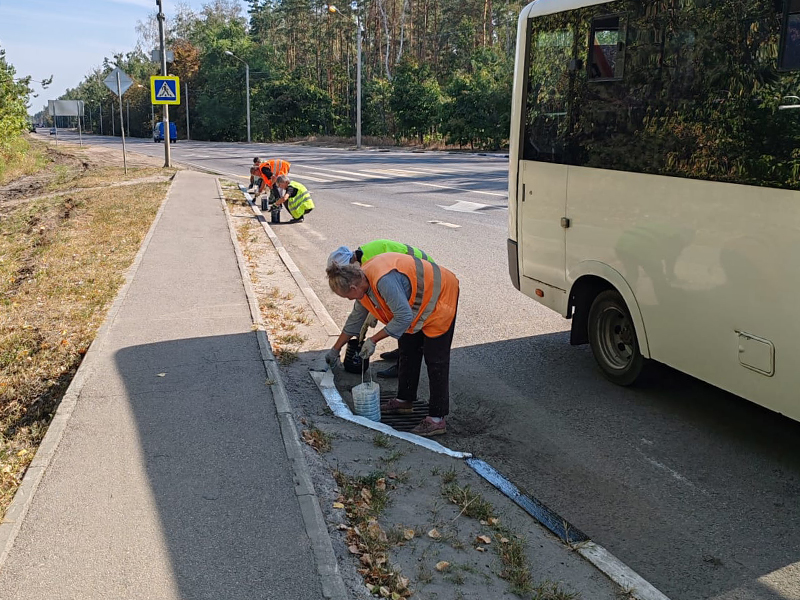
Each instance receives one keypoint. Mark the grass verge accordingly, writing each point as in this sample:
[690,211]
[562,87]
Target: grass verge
[20,157]
[62,261]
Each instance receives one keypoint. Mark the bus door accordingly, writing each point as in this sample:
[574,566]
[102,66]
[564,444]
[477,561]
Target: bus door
[541,205]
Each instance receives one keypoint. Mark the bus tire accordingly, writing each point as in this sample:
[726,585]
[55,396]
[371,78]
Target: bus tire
[613,339]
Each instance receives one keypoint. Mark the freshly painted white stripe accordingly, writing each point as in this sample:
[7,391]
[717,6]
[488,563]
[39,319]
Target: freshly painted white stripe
[324,381]
[445,187]
[445,224]
[412,171]
[302,176]
[331,175]
[463,206]
[619,572]
[362,204]
[385,172]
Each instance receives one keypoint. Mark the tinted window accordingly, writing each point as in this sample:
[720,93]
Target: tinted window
[685,88]
[790,44]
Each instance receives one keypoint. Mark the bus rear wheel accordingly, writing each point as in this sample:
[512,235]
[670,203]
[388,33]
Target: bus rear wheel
[612,337]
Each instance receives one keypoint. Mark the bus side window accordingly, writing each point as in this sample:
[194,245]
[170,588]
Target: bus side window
[789,59]
[607,48]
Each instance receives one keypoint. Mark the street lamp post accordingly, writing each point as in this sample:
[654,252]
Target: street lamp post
[162,44]
[354,8]
[247,88]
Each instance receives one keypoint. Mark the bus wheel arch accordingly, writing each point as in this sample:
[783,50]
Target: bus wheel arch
[591,280]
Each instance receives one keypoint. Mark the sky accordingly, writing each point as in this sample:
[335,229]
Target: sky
[69,38]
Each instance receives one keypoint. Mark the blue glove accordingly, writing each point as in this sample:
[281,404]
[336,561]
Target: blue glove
[333,359]
[367,349]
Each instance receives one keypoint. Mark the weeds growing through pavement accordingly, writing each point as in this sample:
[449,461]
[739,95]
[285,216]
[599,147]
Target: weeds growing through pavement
[317,439]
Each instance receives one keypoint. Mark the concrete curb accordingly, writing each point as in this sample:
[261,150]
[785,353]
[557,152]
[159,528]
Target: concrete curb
[316,528]
[331,328]
[18,509]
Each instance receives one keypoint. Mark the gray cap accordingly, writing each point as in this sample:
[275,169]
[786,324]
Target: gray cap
[341,256]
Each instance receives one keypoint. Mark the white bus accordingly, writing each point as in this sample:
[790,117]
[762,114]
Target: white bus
[654,168]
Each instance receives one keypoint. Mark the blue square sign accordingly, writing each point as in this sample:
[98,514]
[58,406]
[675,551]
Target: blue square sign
[165,89]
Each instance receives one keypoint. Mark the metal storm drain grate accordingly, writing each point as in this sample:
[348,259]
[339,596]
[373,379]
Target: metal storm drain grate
[405,422]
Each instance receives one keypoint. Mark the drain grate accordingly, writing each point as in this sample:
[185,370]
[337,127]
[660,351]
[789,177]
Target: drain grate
[405,422]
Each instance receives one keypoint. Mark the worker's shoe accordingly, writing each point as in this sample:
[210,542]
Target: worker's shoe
[428,427]
[389,373]
[397,407]
[298,220]
[393,355]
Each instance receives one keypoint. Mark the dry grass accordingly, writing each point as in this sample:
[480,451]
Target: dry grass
[62,261]
[80,177]
[21,157]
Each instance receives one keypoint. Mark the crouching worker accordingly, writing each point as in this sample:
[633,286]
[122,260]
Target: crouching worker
[268,173]
[255,176]
[417,301]
[295,196]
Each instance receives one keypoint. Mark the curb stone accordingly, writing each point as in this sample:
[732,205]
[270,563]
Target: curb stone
[18,509]
[317,530]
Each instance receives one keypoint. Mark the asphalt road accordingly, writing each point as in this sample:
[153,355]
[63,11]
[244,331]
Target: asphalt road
[695,489]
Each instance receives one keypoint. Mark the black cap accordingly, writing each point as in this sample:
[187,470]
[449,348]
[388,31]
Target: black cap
[256,160]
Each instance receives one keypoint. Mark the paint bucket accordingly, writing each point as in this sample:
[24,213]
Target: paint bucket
[275,214]
[367,400]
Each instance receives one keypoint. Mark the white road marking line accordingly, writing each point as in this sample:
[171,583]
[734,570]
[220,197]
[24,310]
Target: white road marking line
[337,177]
[444,187]
[464,206]
[301,176]
[671,472]
[347,173]
[385,172]
[364,205]
[445,224]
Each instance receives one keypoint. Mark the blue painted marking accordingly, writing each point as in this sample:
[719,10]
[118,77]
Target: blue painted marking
[558,526]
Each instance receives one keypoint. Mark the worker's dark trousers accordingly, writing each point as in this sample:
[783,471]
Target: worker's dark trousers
[436,350]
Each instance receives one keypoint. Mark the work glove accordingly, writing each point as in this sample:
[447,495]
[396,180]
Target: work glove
[333,359]
[367,349]
[372,321]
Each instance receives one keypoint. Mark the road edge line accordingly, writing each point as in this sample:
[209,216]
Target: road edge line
[316,528]
[18,509]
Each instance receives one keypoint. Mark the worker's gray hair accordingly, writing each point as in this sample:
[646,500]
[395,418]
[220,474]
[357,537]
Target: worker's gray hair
[282,179]
[342,277]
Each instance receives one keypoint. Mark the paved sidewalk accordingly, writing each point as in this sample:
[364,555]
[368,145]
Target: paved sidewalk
[171,480]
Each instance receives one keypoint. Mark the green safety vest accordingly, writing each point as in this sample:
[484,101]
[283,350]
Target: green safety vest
[301,202]
[372,249]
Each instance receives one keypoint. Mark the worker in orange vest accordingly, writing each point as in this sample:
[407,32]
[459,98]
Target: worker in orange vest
[254,174]
[269,172]
[422,318]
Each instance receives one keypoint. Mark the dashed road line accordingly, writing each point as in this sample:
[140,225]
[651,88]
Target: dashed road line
[362,204]
[445,224]
[445,187]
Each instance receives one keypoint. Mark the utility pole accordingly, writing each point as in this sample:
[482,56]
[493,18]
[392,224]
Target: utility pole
[129,117]
[100,110]
[167,161]
[113,133]
[358,83]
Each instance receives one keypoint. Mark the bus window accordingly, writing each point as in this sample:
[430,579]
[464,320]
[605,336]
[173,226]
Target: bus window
[790,44]
[607,50]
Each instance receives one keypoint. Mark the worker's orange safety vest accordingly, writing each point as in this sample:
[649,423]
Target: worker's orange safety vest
[434,292]
[277,166]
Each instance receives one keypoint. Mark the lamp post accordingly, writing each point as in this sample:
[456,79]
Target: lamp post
[162,45]
[247,86]
[354,8]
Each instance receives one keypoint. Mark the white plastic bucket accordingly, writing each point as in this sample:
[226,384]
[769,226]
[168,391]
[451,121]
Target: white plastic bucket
[367,400]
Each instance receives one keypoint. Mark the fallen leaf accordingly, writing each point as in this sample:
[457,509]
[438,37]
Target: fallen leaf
[353,549]
[503,540]
[391,475]
[380,484]
[366,494]
[493,520]
[384,592]
[480,548]
[408,534]
[342,527]
[402,582]
[434,534]
[381,560]
[162,374]
[484,538]
[484,522]
[372,588]
[396,596]
[338,505]
[442,565]
[366,559]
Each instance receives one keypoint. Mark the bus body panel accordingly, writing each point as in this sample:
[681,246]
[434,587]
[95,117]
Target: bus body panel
[705,261]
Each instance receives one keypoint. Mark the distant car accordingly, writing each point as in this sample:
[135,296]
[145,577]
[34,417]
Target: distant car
[158,132]
[52,131]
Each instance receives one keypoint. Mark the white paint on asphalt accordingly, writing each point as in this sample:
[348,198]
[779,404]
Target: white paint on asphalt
[325,172]
[445,224]
[672,472]
[362,204]
[303,176]
[445,187]
[331,175]
[464,206]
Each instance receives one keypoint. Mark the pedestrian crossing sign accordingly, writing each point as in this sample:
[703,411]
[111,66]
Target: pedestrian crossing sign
[165,89]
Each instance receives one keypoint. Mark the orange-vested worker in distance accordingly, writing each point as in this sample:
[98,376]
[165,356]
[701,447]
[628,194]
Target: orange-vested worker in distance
[269,172]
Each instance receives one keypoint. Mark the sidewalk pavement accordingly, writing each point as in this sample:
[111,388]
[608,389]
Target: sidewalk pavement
[171,479]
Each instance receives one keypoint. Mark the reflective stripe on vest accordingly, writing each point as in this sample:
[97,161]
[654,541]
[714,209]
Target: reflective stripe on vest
[427,290]
[410,250]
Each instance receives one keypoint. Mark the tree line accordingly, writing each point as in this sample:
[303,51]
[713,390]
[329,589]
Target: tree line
[433,71]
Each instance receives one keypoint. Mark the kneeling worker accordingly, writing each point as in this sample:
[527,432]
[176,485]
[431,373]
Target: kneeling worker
[269,171]
[255,177]
[295,196]
[362,255]
[417,302]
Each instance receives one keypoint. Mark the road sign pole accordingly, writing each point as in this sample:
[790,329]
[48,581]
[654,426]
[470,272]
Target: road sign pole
[80,134]
[186,90]
[247,86]
[122,125]
[167,159]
